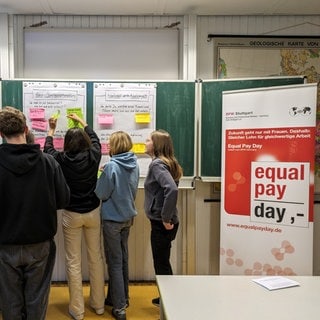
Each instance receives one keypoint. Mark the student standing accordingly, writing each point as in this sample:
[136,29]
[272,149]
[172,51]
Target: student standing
[80,161]
[32,188]
[117,188]
[161,193]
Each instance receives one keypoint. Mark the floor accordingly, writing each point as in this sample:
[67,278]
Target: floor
[140,307]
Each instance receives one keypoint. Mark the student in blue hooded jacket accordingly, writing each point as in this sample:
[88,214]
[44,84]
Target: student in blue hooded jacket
[117,188]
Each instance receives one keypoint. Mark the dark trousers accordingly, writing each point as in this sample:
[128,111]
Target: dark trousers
[161,239]
[115,235]
[25,278]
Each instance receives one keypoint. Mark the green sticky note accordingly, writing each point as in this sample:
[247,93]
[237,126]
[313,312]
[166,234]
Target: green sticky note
[72,123]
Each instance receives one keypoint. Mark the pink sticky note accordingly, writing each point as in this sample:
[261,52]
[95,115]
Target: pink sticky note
[36,113]
[58,143]
[105,118]
[105,148]
[39,125]
[40,141]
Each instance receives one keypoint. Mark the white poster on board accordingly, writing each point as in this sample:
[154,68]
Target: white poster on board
[129,107]
[43,100]
[268,138]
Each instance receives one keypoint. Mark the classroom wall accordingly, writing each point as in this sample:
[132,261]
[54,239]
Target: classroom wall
[247,25]
[196,250]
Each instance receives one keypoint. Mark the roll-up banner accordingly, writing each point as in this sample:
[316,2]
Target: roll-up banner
[267,189]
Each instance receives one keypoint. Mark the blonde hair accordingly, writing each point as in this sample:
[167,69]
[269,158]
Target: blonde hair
[119,142]
[163,149]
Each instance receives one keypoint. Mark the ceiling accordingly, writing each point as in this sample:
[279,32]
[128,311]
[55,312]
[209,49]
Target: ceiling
[161,7]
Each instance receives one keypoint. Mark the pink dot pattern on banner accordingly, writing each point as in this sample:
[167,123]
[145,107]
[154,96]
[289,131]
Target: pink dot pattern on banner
[258,268]
[286,248]
[238,178]
[230,259]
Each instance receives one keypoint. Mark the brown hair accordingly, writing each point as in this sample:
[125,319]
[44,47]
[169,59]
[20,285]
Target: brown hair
[76,140]
[12,122]
[30,137]
[163,149]
[119,142]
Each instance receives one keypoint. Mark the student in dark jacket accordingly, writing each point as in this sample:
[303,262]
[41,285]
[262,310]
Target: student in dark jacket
[161,194]
[80,161]
[32,188]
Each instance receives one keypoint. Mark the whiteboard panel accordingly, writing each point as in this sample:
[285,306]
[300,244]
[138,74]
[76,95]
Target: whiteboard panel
[101,54]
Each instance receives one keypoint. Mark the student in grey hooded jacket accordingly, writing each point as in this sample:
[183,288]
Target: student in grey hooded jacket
[117,188]
[160,204]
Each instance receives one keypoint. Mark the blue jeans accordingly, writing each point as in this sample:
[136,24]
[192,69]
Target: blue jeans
[25,278]
[115,235]
[161,239]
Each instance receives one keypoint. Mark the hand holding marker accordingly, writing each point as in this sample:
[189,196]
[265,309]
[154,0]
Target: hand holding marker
[56,115]
[53,123]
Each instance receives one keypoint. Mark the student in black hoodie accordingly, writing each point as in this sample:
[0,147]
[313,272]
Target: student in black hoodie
[80,161]
[32,188]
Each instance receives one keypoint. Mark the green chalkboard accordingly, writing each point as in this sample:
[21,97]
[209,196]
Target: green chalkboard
[211,117]
[175,112]
[11,91]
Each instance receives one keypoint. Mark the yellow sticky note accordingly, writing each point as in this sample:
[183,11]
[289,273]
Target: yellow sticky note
[143,117]
[139,148]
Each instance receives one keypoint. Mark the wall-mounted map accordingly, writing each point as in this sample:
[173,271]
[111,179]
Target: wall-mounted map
[262,57]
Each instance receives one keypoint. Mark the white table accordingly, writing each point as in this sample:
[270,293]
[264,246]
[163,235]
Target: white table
[236,298]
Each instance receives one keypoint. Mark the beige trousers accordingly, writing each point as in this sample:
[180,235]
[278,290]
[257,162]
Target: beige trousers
[76,225]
